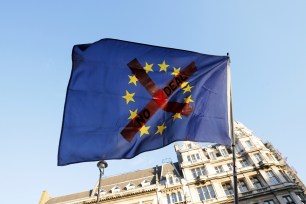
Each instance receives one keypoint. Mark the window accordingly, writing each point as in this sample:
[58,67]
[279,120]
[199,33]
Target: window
[174,197]
[229,150]
[145,183]
[269,202]
[168,199]
[130,186]
[193,157]
[237,148]
[288,199]
[206,192]
[203,170]
[258,157]
[228,189]
[198,172]
[194,173]
[115,189]
[272,177]
[219,169]
[102,191]
[189,146]
[244,163]
[256,183]
[170,180]
[223,152]
[179,195]
[301,197]
[286,177]
[270,156]
[242,186]
[230,166]
[249,144]
[212,155]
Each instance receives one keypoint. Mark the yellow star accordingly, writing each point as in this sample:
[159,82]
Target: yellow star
[148,67]
[163,66]
[188,99]
[185,83]
[161,129]
[176,71]
[128,97]
[176,116]
[133,80]
[187,88]
[144,130]
[133,114]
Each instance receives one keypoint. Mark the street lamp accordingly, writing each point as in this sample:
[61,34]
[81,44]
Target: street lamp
[101,165]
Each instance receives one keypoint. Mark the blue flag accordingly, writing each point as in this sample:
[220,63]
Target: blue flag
[126,98]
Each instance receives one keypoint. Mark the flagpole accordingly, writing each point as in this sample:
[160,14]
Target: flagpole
[234,159]
[101,165]
[233,139]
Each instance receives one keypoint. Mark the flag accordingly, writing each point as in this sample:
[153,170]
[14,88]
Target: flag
[125,98]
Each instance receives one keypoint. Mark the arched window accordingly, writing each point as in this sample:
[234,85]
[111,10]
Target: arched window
[168,199]
[173,198]
[179,195]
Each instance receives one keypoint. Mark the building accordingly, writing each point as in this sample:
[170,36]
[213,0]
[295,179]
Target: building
[203,175]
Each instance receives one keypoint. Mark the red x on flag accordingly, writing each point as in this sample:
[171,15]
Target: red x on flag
[159,97]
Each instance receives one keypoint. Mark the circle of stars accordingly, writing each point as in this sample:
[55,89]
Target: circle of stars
[129,97]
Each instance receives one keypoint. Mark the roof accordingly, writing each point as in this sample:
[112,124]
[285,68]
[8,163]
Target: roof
[75,196]
[107,183]
[170,168]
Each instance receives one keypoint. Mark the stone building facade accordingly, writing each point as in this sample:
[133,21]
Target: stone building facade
[203,174]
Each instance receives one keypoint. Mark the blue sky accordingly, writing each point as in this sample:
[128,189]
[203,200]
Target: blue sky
[267,45]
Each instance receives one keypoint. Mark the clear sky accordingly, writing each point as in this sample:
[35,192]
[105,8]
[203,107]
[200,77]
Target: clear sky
[267,45]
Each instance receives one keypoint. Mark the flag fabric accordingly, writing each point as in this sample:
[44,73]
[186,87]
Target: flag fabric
[125,98]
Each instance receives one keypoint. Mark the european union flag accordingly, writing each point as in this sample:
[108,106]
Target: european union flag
[126,98]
